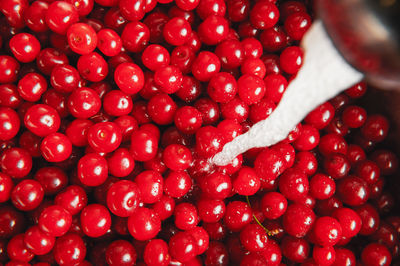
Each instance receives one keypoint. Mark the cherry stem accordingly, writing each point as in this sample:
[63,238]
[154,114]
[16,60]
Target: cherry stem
[269,233]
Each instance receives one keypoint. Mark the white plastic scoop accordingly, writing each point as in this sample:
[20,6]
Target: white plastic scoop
[323,75]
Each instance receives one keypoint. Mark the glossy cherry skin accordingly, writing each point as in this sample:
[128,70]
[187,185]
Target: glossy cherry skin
[84,103]
[376,254]
[109,42]
[12,222]
[237,215]
[9,96]
[177,157]
[104,137]
[92,67]
[129,78]
[273,205]
[73,199]
[25,47]
[246,182]
[121,252]
[222,87]
[213,30]
[298,220]
[150,184]
[82,38]
[327,231]
[349,220]
[52,179]
[37,241]
[95,220]
[6,186]
[17,250]
[205,66]
[60,15]
[144,224]
[161,109]
[92,169]
[16,162]
[264,15]
[27,195]
[353,190]
[42,120]
[177,184]
[123,198]
[177,31]
[10,123]
[9,68]
[55,220]
[56,147]
[182,246]
[121,163]
[156,253]
[143,145]
[69,249]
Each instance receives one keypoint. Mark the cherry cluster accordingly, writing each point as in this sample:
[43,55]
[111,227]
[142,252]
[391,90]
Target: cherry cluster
[111,112]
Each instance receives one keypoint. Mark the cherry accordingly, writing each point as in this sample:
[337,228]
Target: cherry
[293,184]
[295,249]
[95,220]
[296,24]
[205,66]
[186,217]
[144,225]
[291,59]
[109,42]
[60,15]
[164,207]
[27,195]
[150,184]
[16,162]
[155,56]
[177,31]
[141,35]
[273,205]
[209,141]
[168,78]
[92,169]
[73,198]
[375,128]
[298,219]
[253,237]
[132,11]
[9,96]
[251,89]
[17,250]
[222,87]
[25,47]
[104,137]
[42,120]
[353,190]
[216,185]
[182,246]
[209,109]
[143,145]
[38,241]
[247,182]
[10,123]
[177,184]
[369,219]
[324,255]
[121,252]
[82,38]
[156,253]
[376,254]
[84,103]
[264,15]
[92,67]
[69,249]
[322,186]
[238,214]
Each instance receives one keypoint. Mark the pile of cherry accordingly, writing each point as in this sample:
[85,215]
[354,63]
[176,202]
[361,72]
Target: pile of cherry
[110,113]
